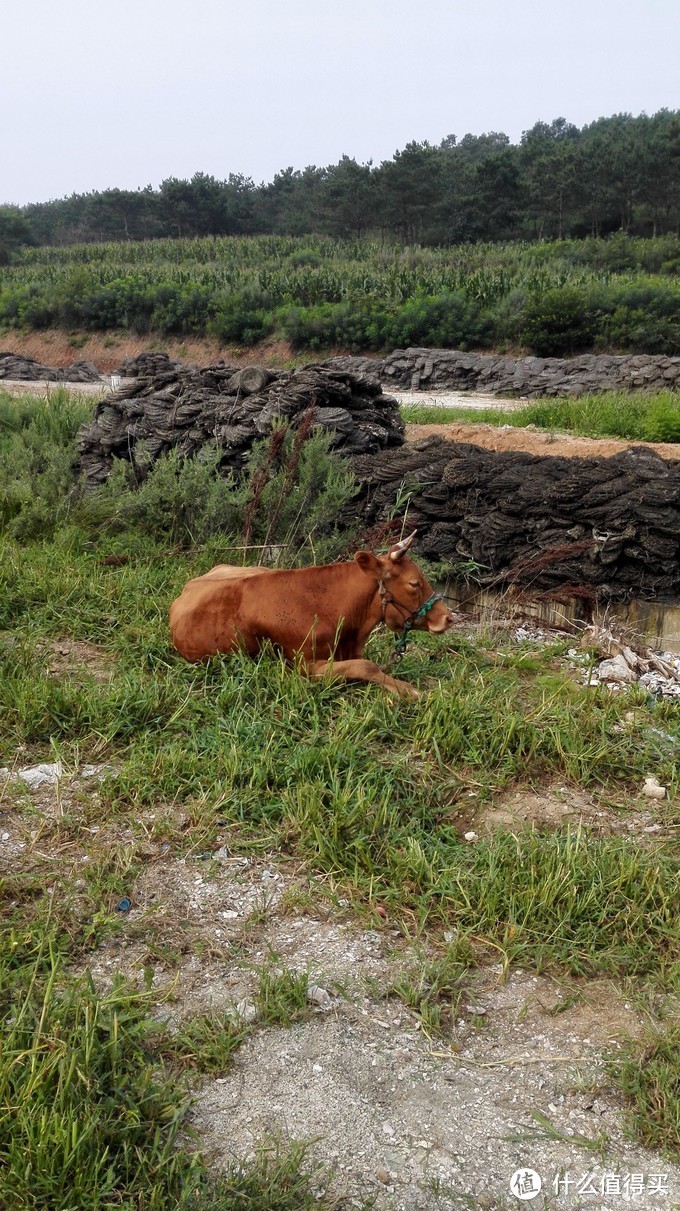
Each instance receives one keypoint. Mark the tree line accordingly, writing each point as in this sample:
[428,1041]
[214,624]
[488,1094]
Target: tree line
[620,173]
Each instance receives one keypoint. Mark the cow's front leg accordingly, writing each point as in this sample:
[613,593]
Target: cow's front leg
[362,670]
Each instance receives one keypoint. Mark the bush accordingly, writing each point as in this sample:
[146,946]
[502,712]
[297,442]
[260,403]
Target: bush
[447,321]
[243,318]
[304,258]
[559,322]
[291,496]
[357,325]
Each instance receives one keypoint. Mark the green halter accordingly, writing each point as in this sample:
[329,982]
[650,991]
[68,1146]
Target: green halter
[402,640]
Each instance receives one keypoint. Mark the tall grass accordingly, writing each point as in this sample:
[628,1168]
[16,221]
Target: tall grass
[635,416]
[37,453]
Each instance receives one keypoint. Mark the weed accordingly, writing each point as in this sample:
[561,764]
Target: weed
[649,1076]
[432,988]
[546,1131]
[206,1043]
[281,996]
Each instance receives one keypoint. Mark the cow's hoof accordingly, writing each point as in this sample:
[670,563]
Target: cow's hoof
[404,690]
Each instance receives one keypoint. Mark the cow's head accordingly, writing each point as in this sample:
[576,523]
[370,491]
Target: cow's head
[403,590]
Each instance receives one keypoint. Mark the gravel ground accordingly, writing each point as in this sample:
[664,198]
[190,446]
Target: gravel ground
[412,1122]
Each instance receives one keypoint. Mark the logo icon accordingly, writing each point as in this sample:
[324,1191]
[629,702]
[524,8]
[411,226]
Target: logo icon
[525,1184]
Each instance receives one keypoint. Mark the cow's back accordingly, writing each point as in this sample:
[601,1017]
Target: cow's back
[205,618]
[227,571]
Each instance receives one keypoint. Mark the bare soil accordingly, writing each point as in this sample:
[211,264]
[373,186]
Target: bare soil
[58,348]
[75,658]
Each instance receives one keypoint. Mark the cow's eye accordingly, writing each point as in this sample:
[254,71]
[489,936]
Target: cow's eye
[414,584]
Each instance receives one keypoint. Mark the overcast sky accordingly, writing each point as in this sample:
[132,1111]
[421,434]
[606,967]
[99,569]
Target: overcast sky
[129,92]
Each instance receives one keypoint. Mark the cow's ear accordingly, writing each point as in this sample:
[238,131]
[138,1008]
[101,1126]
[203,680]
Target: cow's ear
[368,562]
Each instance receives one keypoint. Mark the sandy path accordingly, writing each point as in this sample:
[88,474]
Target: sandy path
[479,401]
[48,386]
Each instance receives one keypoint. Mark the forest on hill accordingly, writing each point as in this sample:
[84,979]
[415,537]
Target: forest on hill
[620,173]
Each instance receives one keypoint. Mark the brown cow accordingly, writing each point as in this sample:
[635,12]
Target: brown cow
[325,614]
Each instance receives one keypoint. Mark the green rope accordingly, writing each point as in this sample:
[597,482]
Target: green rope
[402,640]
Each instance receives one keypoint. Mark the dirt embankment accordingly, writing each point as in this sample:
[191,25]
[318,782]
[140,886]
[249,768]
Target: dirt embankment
[107,350]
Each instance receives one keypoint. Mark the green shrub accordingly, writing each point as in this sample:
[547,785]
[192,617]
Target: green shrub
[291,496]
[244,318]
[558,322]
[449,321]
[305,258]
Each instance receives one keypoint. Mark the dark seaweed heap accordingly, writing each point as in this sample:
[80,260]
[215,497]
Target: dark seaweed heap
[220,408]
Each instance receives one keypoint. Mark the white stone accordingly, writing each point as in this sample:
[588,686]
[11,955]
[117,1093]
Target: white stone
[653,790]
[616,669]
[318,996]
[37,775]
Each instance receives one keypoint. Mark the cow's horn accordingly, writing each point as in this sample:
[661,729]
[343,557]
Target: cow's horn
[402,547]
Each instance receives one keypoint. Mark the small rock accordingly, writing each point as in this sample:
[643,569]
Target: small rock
[653,790]
[246,1011]
[471,836]
[383,1175]
[318,996]
[37,775]
[616,669]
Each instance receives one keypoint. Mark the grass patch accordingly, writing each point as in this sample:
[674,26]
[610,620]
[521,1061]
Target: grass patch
[363,789]
[281,995]
[85,1120]
[649,1076]
[633,416]
[252,755]
[89,1117]
[432,987]
[206,1042]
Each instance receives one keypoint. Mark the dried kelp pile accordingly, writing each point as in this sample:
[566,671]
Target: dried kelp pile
[533,377]
[609,523]
[199,412]
[27,369]
[145,365]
